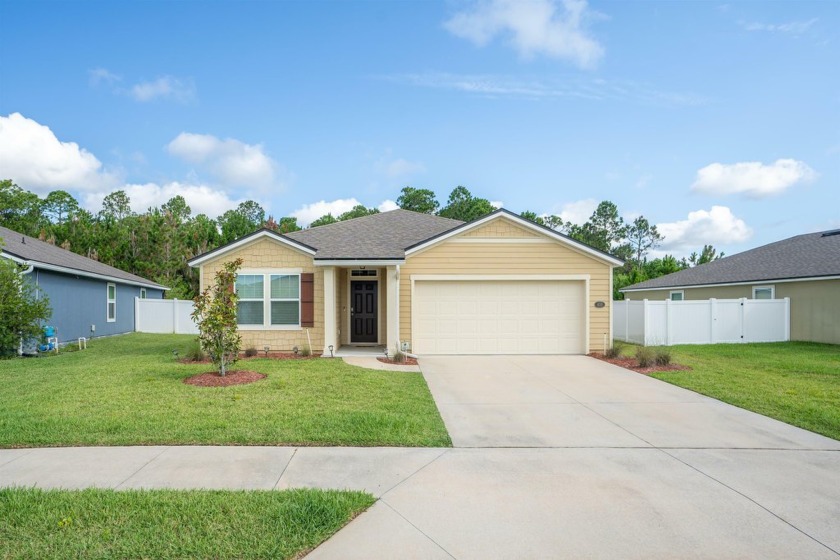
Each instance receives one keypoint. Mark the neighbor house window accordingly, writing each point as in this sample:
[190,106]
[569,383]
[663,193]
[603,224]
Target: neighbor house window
[764,292]
[142,293]
[250,307]
[112,302]
[268,300]
[677,295]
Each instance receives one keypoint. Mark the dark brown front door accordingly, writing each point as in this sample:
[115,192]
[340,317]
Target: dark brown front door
[363,313]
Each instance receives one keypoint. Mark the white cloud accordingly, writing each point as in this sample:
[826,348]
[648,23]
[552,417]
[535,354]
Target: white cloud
[533,27]
[497,204]
[400,167]
[789,28]
[308,213]
[232,162]
[164,87]
[717,226]
[752,178]
[201,199]
[99,76]
[387,206]
[32,156]
[568,87]
[577,212]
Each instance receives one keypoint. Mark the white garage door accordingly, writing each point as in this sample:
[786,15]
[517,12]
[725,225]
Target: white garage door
[498,317]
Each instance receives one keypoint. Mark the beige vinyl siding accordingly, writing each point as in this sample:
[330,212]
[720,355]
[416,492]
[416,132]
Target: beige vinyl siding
[814,304]
[268,254]
[512,259]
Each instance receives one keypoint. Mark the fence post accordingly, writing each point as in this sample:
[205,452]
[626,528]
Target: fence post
[712,319]
[175,315]
[741,318]
[644,322]
[136,314]
[627,320]
[787,319]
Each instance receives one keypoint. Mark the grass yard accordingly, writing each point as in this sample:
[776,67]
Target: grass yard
[169,523]
[795,382]
[129,390]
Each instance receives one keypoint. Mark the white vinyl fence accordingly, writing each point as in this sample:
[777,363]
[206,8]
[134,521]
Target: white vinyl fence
[164,316]
[708,321]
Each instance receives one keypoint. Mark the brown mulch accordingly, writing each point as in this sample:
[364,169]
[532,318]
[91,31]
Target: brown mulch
[213,379]
[408,361]
[631,363]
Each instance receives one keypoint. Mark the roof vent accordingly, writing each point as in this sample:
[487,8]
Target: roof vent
[23,240]
[830,233]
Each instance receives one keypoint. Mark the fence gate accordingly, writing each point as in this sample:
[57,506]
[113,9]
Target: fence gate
[164,316]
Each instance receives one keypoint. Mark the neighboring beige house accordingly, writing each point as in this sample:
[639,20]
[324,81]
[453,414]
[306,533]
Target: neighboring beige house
[805,268]
[426,284]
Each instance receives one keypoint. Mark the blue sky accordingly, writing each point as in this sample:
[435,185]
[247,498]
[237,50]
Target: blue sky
[718,121]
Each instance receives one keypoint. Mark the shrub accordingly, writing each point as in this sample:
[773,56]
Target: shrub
[21,310]
[305,351]
[398,356]
[250,352]
[645,356]
[663,357]
[215,314]
[194,352]
[614,351]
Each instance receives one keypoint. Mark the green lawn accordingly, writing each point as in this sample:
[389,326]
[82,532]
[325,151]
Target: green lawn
[128,390]
[169,523]
[795,382]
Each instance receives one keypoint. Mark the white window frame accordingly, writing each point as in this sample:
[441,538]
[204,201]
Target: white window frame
[672,292]
[267,299]
[142,293]
[771,287]
[109,301]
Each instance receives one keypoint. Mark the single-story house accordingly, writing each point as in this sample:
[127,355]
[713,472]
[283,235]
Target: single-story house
[88,298]
[428,285]
[805,268]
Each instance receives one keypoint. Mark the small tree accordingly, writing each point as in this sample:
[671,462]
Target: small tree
[215,314]
[21,310]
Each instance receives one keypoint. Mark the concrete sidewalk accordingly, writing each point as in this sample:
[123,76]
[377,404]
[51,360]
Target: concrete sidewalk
[506,503]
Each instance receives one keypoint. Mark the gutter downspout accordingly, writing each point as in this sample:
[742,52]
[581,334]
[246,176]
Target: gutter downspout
[24,273]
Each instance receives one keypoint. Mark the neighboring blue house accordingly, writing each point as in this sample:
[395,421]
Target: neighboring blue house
[88,298]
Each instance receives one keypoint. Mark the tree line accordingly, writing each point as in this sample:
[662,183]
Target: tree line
[158,243]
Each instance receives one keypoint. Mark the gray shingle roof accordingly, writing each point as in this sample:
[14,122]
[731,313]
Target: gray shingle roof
[36,251]
[378,236]
[803,256]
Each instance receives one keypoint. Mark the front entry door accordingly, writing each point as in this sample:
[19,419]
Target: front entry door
[364,311]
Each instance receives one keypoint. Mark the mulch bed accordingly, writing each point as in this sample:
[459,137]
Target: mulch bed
[632,363]
[408,361]
[213,379]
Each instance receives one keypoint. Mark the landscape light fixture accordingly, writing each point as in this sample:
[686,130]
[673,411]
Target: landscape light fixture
[331,351]
[266,348]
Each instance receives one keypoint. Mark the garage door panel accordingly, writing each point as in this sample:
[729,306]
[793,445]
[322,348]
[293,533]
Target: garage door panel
[499,317]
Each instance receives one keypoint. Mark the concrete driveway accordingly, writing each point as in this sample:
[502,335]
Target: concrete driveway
[570,457]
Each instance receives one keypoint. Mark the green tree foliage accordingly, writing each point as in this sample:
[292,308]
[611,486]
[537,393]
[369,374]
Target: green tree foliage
[21,309]
[642,238]
[357,211]
[60,206]
[246,218]
[707,255]
[418,200]
[532,216]
[215,315]
[20,210]
[463,206]
[324,220]
[605,230]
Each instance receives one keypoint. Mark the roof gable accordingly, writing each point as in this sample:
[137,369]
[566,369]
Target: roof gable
[812,255]
[31,250]
[250,238]
[518,223]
